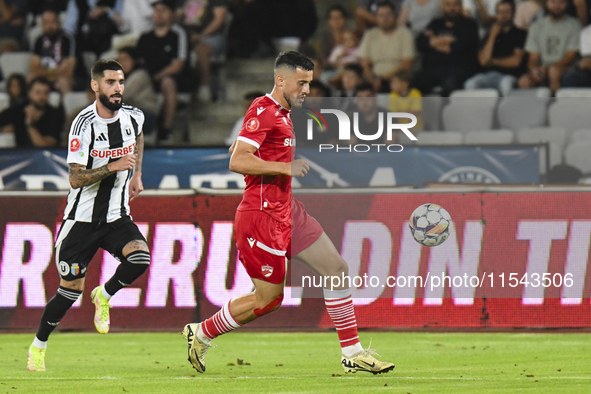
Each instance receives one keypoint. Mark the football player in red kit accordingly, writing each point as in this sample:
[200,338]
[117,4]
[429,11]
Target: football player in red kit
[271,225]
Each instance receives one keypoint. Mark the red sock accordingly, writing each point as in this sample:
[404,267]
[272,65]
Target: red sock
[342,313]
[220,323]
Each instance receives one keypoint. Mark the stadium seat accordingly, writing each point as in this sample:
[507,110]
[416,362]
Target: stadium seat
[556,137]
[7,140]
[74,101]
[489,137]
[516,113]
[574,93]
[534,92]
[15,62]
[577,155]
[431,113]
[55,99]
[580,136]
[4,101]
[405,141]
[440,138]
[469,116]
[473,93]
[570,114]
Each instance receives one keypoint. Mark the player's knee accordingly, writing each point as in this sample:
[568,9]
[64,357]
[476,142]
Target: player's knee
[270,307]
[135,245]
[133,265]
[338,267]
[76,284]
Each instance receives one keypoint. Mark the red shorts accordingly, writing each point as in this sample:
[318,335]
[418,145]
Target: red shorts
[305,230]
[265,243]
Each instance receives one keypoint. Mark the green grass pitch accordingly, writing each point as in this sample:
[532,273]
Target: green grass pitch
[300,363]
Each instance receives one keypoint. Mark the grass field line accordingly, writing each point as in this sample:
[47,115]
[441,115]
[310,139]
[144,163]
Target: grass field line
[276,377]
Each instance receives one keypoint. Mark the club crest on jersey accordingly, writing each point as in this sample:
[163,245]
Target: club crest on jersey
[267,270]
[64,268]
[112,153]
[75,145]
[75,269]
[128,131]
[252,124]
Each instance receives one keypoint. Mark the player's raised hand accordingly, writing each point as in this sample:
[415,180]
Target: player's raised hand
[299,167]
[125,163]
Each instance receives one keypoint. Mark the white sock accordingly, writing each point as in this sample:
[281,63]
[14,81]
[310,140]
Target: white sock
[105,294]
[349,351]
[39,344]
[201,335]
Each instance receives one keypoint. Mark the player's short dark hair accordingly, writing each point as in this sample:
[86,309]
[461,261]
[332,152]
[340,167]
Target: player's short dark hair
[294,60]
[511,3]
[386,3]
[319,85]
[356,68]
[99,68]
[338,8]
[41,80]
[364,87]
[403,75]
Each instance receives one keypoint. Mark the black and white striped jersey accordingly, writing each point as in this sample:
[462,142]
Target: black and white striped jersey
[94,142]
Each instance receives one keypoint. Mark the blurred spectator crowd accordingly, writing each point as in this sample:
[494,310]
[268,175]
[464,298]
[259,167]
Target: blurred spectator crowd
[403,48]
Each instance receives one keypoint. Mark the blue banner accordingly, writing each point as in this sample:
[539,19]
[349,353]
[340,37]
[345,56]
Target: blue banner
[417,166]
[193,168]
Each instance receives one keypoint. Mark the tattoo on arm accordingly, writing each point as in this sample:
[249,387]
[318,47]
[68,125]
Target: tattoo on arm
[80,176]
[139,150]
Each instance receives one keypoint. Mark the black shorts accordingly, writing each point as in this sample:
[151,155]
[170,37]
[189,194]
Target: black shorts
[78,242]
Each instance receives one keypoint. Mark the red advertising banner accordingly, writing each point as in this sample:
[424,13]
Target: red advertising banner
[194,268]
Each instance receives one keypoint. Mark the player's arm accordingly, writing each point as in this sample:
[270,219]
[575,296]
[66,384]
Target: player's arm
[135,185]
[139,151]
[80,176]
[244,161]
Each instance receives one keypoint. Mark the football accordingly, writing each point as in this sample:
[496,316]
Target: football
[429,224]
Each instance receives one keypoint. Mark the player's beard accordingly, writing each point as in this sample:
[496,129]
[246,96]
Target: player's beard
[294,102]
[109,105]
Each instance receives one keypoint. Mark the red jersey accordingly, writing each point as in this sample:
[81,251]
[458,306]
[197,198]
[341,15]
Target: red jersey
[267,126]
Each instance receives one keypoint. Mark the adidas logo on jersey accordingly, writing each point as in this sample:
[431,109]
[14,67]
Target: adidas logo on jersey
[117,152]
[101,137]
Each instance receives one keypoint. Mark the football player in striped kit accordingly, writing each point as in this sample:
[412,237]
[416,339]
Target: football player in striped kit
[105,153]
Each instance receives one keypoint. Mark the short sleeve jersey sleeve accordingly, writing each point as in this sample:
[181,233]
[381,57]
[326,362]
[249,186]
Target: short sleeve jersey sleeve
[259,122]
[79,140]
